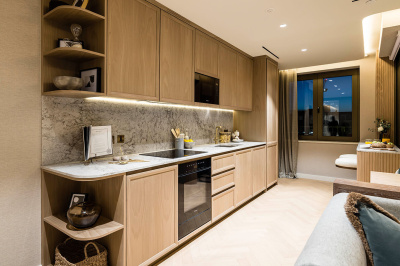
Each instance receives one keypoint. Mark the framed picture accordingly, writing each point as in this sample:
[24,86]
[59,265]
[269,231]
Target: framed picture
[77,198]
[81,3]
[91,79]
[67,43]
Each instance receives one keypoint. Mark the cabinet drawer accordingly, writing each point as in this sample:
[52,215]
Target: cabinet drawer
[222,181]
[223,163]
[222,204]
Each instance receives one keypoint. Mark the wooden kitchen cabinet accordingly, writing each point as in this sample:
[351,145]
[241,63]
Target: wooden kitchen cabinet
[206,55]
[151,214]
[222,204]
[259,163]
[176,61]
[227,64]
[243,177]
[133,50]
[272,101]
[244,87]
[272,164]
[223,163]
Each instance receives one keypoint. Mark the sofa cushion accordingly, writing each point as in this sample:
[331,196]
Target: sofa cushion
[378,229]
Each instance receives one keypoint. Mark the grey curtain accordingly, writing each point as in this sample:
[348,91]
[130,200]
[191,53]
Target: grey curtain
[288,133]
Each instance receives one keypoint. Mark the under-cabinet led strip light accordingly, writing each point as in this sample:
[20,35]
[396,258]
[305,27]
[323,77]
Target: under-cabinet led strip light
[160,104]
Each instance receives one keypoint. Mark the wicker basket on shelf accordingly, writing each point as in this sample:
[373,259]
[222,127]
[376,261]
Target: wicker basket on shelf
[80,253]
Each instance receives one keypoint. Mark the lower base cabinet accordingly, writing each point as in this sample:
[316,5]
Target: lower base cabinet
[259,164]
[272,164]
[151,214]
[243,177]
[222,204]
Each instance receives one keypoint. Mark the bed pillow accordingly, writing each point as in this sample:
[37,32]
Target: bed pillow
[378,229]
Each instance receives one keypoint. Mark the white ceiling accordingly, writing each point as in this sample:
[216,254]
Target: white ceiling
[330,30]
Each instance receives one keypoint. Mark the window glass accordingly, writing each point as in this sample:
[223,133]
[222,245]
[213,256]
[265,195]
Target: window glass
[337,106]
[305,107]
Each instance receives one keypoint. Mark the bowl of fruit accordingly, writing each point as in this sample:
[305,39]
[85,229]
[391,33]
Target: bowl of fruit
[189,143]
[390,145]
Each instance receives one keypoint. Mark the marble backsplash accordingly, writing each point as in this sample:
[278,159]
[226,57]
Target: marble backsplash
[146,127]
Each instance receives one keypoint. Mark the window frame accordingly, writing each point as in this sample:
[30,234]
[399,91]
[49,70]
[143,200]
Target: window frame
[318,79]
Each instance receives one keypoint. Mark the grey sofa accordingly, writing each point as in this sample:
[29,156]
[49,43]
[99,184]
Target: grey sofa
[334,240]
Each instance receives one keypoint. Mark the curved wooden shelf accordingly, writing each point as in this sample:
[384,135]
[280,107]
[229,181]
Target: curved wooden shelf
[68,15]
[73,54]
[102,228]
[73,94]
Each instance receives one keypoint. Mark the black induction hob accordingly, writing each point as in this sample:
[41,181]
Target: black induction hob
[172,154]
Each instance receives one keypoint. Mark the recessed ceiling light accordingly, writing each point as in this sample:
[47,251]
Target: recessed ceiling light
[304,50]
[330,80]
[338,89]
[283,26]
[335,86]
[270,10]
[342,92]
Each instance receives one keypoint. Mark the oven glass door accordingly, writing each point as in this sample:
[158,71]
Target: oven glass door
[194,201]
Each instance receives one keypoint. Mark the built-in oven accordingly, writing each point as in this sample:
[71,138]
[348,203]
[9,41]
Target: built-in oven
[194,196]
[206,89]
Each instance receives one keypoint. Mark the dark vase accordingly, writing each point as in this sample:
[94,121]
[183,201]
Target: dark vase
[84,214]
[381,135]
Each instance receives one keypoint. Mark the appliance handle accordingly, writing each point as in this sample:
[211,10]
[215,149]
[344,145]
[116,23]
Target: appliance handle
[197,171]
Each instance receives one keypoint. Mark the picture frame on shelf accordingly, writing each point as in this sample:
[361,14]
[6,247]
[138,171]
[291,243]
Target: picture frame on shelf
[77,198]
[80,3]
[67,43]
[91,79]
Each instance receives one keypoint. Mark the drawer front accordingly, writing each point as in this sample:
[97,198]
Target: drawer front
[222,181]
[223,163]
[222,204]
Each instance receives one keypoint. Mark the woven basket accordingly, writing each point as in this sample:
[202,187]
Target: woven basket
[80,253]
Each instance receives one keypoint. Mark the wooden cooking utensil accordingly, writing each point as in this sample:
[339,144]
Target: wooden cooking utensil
[174,133]
[177,131]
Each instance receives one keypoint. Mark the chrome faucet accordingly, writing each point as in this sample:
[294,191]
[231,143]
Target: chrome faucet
[217,134]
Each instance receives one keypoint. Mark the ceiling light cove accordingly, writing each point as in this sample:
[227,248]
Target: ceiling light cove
[283,26]
[304,50]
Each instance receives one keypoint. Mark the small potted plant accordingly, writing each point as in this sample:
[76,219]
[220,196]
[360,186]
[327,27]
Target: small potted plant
[383,126]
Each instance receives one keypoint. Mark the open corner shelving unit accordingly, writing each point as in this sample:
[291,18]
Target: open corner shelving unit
[109,230]
[69,61]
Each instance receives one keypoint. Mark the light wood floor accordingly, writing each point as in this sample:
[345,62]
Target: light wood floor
[271,230]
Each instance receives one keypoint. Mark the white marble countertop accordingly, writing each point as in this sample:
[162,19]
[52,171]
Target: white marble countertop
[362,147]
[102,169]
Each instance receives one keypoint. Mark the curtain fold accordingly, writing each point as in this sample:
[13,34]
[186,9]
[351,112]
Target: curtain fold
[288,128]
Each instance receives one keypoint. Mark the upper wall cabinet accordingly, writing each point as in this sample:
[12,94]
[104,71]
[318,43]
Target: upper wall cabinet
[236,79]
[133,49]
[176,61]
[227,63]
[206,55]
[244,89]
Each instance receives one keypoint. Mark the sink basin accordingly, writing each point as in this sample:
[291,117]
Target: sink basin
[227,145]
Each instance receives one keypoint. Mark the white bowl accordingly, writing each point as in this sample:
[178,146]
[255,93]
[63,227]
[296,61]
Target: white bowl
[189,145]
[68,83]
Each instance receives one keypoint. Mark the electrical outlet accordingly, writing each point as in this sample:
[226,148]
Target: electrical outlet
[121,139]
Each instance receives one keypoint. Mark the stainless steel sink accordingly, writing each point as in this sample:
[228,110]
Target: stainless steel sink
[227,145]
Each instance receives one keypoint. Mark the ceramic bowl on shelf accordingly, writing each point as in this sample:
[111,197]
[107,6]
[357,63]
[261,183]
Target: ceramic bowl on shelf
[68,83]
[84,214]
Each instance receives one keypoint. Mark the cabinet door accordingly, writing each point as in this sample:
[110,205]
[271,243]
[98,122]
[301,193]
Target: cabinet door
[259,164]
[227,63]
[206,55]
[272,164]
[244,90]
[243,177]
[272,102]
[133,50]
[151,214]
[176,61]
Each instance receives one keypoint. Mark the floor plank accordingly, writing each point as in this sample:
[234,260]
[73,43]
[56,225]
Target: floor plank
[271,230]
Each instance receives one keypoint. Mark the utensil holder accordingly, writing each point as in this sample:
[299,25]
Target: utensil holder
[179,143]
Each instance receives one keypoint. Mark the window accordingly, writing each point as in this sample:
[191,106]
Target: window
[328,106]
